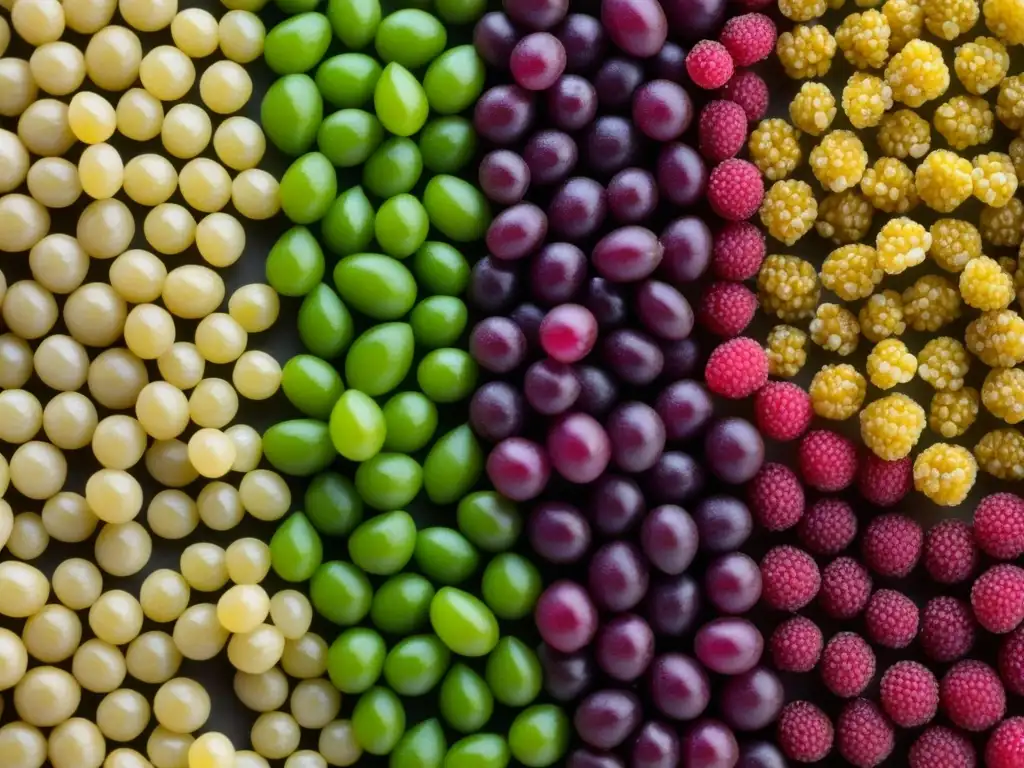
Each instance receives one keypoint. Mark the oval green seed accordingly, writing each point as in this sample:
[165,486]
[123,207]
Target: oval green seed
[489,520]
[411,421]
[355,22]
[463,622]
[465,701]
[378,721]
[300,447]
[376,285]
[332,504]
[291,112]
[400,101]
[445,556]
[355,660]
[312,385]
[402,604]
[513,673]
[295,549]
[297,44]
[379,359]
[324,323]
[416,665]
[340,593]
[357,426]
[389,480]
[308,188]
[295,264]
[453,466]
[348,79]
[347,227]
[384,544]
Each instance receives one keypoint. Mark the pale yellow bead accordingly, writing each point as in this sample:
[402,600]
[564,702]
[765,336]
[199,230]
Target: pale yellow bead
[92,118]
[182,365]
[265,494]
[61,363]
[22,746]
[100,171]
[275,735]
[220,237]
[6,516]
[198,634]
[14,161]
[186,130]
[67,518]
[105,229]
[112,58]
[149,331]
[88,16]
[124,757]
[193,291]
[21,416]
[153,658]
[166,72]
[113,495]
[29,310]
[306,657]
[38,21]
[194,32]
[167,463]
[77,583]
[116,377]
[54,182]
[99,666]
[28,538]
[239,142]
[5,36]
[46,696]
[243,608]
[256,194]
[291,612]
[164,595]
[256,375]
[181,705]
[255,306]
[76,743]
[123,549]
[248,447]
[148,15]
[205,185]
[204,566]
[211,750]
[211,452]
[305,758]
[116,617]
[69,421]
[23,223]
[138,276]
[57,67]
[172,514]
[213,403]
[150,180]
[118,442]
[58,262]
[13,659]
[249,759]
[140,115]
[264,692]
[248,561]
[170,228]
[123,715]
[43,126]
[256,651]
[220,339]
[220,507]
[241,36]
[167,749]
[225,87]
[38,470]
[17,87]
[338,744]
[162,410]
[52,635]
[315,703]
[95,316]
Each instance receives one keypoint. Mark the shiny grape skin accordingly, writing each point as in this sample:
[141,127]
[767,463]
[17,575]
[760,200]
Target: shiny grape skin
[497,344]
[709,744]
[566,676]
[685,408]
[673,605]
[638,27]
[607,302]
[637,435]
[518,468]
[656,746]
[728,646]
[724,523]
[633,356]
[632,195]
[752,700]
[682,358]
[687,242]
[504,176]
[682,175]
[663,310]
[759,754]
[627,254]
[616,505]
[577,208]
[529,317]
[557,273]
[572,103]
[604,719]
[579,448]
[494,37]
[558,532]
[551,387]
[566,617]
[669,538]
[670,63]
[537,61]
[584,758]
[616,82]
[493,285]
[504,113]
[734,450]
[693,20]
[675,478]
[516,232]
[598,391]
[611,145]
[662,110]
[551,156]
[732,583]
[584,41]
[496,411]
[536,14]
[679,686]
[624,647]
[617,576]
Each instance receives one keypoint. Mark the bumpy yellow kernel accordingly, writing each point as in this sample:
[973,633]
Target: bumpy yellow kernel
[813,108]
[995,180]
[1005,18]
[949,19]
[954,243]
[906,20]
[997,338]
[802,10]
[837,391]
[891,363]
[944,180]
[1003,226]
[789,209]
[864,39]
[881,316]
[901,243]
[965,121]
[1017,156]
[945,473]
[775,148]
[839,160]
[952,413]
[835,328]
[788,287]
[1009,265]
[1018,277]
[1003,394]
[891,426]
[1001,454]
[930,303]
[1010,102]
[865,99]
[851,271]
[806,51]
[943,363]
[787,351]
[904,134]
[844,217]
[917,73]
[984,285]
[889,186]
[981,65]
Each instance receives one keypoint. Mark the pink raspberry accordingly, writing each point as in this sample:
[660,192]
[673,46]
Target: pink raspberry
[804,733]
[949,553]
[709,64]
[1005,748]
[941,747]
[999,525]
[749,38]
[891,619]
[972,695]
[721,130]
[735,189]
[947,629]
[892,545]
[750,91]
[997,598]
[782,410]
[828,526]
[845,588]
[884,483]
[909,694]
[737,368]
[737,251]
[847,665]
[1011,661]
[789,578]
[863,735]
[776,497]
[796,645]
[828,461]
[726,309]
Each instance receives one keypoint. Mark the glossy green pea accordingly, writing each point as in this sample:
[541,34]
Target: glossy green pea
[453,466]
[349,136]
[411,421]
[311,385]
[463,622]
[300,447]
[447,375]
[332,504]
[295,264]
[308,188]
[454,80]
[539,736]
[489,520]
[340,593]
[291,112]
[297,44]
[423,746]
[401,226]
[456,208]
[445,556]
[465,701]
[416,665]
[513,673]
[357,426]
[348,79]
[355,660]
[347,227]
[511,586]
[400,101]
[355,22]
[438,321]
[447,144]
[482,750]
[402,604]
[376,285]
[441,269]
[389,480]
[394,168]
[378,721]
[295,549]
[380,358]
[292,7]
[461,11]
[383,545]
[411,37]
[324,323]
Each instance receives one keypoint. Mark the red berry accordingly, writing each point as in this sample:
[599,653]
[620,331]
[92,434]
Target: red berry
[709,64]
[783,410]
[828,461]
[972,695]
[891,619]
[997,598]
[1005,748]
[845,588]
[909,694]
[721,130]
[805,732]
[735,189]
[999,525]
[892,545]
[941,747]
[796,645]
[1011,661]
[947,629]
[726,309]
[749,38]
[738,250]
[737,368]
[776,497]
[863,735]
[750,91]
[949,552]
[847,665]
[789,578]
[884,483]
[828,526]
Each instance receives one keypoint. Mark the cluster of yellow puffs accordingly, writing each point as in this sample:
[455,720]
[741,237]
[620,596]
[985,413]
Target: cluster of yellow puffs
[897,71]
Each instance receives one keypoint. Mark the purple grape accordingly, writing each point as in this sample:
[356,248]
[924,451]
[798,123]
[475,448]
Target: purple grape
[551,156]
[529,317]
[624,647]
[664,311]
[605,719]
[632,195]
[558,532]
[627,254]
[492,285]
[518,468]
[582,758]
[633,356]
[751,701]
[616,505]
[679,686]
[551,387]
[670,63]
[568,332]
[572,103]
[504,113]
[537,61]
[617,576]
[565,616]
[669,539]
[662,110]
[577,209]
[616,81]
[584,41]
[734,450]
[504,176]
[637,435]
[733,583]
[497,344]
[676,477]
[682,175]
[673,606]
[682,358]
[566,675]
[724,523]
[516,232]
[611,145]
[496,411]
[494,37]
[598,392]
[537,14]
[685,408]
[687,243]
[728,646]
[656,746]
[607,302]
[638,27]
[759,754]
[694,20]
[710,744]
[579,448]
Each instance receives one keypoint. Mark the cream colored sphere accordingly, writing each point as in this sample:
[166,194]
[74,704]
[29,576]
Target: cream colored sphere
[167,749]
[211,750]
[225,87]
[46,696]
[169,228]
[69,421]
[123,715]
[54,182]
[58,262]
[105,229]
[116,617]
[149,331]
[38,21]
[100,171]
[264,692]
[61,363]
[138,276]
[204,566]
[21,416]
[211,452]
[256,194]
[256,375]
[76,743]
[220,238]
[162,410]
[14,161]
[67,518]
[123,549]
[194,32]
[239,142]
[140,115]
[220,338]
[113,57]
[150,179]
[15,361]
[172,514]
[315,703]
[265,494]
[306,657]
[38,470]
[118,443]
[116,376]
[192,291]
[291,612]
[205,185]
[182,366]
[198,634]
[256,651]
[13,659]
[29,310]
[164,595]
[186,130]
[241,36]
[77,583]
[53,634]
[181,705]
[166,72]
[255,307]
[88,16]
[28,538]
[22,745]
[125,758]
[92,118]
[18,89]
[23,223]
[148,15]
[338,744]
[248,447]
[99,666]
[248,561]
[44,127]
[153,658]
[95,316]
[57,67]
[243,608]
[167,462]
[220,507]
[213,403]
[275,735]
